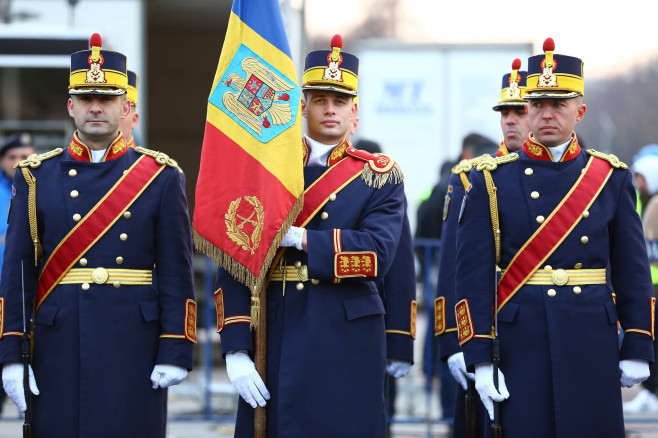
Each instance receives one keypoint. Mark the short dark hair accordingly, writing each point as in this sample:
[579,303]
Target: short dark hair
[471,140]
[484,147]
[368,145]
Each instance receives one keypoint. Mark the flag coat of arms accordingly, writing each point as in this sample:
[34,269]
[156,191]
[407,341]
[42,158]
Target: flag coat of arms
[250,184]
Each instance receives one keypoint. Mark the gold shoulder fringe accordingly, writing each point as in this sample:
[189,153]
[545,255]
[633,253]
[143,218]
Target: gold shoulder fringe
[490,163]
[610,158]
[35,160]
[379,180]
[160,157]
[238,271]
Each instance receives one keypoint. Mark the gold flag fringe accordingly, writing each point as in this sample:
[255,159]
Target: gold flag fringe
[379,180]
[240,272]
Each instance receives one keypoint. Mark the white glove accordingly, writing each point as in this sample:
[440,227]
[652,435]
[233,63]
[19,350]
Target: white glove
[633,371]
[457,368]
[398,368]
[245,379]
[12,382]
[293,237]
[484,384]
[164,375]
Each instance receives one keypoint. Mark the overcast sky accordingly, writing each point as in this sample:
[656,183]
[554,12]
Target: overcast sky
[609,36]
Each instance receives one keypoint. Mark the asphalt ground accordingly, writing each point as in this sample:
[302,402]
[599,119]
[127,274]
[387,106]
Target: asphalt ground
[197,410]
[187,407]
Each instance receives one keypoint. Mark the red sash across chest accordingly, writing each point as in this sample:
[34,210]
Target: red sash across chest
[96,223]
[554,229]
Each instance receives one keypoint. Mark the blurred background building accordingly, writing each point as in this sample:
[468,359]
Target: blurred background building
[422,87]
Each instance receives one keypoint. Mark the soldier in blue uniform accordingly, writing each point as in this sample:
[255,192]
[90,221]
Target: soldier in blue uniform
[91,228]
[128,123]
[514,124]
[327,323]
[560,223]
[15,148]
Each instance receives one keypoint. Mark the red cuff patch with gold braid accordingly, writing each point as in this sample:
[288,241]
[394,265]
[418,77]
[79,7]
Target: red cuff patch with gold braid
[190,320]
[439,316]
[219,305]
[464,321]
[349,264]
[413,319]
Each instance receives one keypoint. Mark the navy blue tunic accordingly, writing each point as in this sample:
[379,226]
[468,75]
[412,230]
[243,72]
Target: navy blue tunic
[326,343]
[94,349]
[559,345]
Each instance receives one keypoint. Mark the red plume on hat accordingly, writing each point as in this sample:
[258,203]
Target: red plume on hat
[336,45]
[516,66]
[549,47]
[95,42]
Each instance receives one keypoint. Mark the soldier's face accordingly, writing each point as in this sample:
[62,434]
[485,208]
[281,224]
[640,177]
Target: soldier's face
[97,116]
[515,126]
[553,120]
[127,124]
[13,156]
[329,115]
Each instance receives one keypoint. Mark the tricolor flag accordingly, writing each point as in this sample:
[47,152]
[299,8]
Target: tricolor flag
[251,179]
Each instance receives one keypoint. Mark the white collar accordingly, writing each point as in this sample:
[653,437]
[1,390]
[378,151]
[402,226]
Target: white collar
[97,156]
[557,151]
[319,152]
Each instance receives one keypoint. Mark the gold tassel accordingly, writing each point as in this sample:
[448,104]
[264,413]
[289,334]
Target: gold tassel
[379,180]
[255,309]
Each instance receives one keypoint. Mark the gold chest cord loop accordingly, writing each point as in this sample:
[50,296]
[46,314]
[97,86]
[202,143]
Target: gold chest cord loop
[493,206]
[32,212]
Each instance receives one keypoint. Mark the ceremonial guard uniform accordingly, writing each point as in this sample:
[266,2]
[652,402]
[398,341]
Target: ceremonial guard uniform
[131,95]
[445,324]
[100,234]
[553,228]
[398,290]
[326,322]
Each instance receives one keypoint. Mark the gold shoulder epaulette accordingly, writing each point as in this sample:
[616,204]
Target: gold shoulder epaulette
[612,159]
[160,157]
[465,166]
[35,160]
[491,163]
[379,168]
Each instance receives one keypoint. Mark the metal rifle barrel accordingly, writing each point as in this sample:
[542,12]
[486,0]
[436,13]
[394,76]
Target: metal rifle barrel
[471,419]
[25,353]
[496,427]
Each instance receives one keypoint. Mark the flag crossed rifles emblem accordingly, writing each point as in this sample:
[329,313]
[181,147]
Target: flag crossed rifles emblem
[239,221]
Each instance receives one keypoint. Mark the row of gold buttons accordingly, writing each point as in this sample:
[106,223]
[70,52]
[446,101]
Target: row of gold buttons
[540,219]
[324,216]
[77,217]
[552,292]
